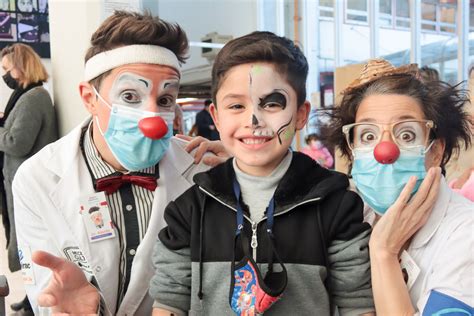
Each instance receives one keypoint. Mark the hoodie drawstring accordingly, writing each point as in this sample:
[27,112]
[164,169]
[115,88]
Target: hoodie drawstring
[326,257]
[201,250]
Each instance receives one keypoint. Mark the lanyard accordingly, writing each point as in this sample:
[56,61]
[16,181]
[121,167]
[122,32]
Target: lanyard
[240,212]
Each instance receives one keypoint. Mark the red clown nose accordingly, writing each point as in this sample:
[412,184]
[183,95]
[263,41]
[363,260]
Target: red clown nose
[153,127]
[386,153]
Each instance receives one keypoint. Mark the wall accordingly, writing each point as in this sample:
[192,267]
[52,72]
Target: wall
[71,24]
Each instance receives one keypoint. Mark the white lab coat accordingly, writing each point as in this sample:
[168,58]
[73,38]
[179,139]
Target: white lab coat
[443,250]
[47,189]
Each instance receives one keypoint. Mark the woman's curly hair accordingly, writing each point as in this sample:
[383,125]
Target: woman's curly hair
[440,102]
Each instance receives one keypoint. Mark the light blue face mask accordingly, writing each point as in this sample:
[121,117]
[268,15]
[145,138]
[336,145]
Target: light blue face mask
[133,150]
[381,184]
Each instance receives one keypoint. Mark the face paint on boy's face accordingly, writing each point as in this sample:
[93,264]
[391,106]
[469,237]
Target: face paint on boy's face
[136,91]
[270,115]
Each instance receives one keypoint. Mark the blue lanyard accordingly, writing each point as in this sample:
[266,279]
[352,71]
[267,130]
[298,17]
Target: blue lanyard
[240,212]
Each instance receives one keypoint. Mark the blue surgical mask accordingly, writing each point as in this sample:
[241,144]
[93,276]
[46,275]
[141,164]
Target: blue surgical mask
[381,184]
[133,150]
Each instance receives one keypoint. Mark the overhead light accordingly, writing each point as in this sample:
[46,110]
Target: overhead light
[206,45]
[182,100]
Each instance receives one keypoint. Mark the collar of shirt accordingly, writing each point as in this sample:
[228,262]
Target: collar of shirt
[437,214]
[97,166]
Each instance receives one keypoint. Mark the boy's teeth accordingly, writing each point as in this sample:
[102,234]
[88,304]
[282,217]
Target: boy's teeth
[253,141]
[263,132]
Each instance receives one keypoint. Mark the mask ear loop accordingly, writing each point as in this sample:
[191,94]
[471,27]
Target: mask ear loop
[429,147]
[96,117]
[274,282]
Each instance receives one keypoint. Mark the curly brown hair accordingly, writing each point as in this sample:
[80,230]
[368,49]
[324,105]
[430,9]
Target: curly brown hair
[440,102]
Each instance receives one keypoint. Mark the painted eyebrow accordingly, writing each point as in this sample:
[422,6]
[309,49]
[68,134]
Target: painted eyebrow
[144,81]
[171,85]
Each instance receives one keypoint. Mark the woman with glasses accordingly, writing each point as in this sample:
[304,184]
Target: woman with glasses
[399,133]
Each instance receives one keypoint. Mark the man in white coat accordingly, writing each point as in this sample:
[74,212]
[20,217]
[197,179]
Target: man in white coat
[122,160]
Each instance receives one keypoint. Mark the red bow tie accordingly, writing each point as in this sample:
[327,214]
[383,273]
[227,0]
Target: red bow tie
[112,183]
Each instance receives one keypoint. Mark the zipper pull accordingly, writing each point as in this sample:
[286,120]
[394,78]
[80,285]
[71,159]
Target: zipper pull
[254,242]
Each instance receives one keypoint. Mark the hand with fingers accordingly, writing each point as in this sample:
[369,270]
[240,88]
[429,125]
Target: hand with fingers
[68,290]
[203,147]
[406,216]
[389,236]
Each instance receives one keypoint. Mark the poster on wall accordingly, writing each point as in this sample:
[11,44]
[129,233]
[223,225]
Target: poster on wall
[27,22]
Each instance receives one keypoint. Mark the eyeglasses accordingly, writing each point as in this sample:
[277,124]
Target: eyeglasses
[406,134]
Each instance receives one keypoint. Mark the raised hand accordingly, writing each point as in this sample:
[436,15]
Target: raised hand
[68,290]
[404,218]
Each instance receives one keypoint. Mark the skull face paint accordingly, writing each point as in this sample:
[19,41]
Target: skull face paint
[257,115]
[269,95]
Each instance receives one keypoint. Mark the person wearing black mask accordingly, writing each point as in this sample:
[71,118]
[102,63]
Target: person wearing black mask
[27,125]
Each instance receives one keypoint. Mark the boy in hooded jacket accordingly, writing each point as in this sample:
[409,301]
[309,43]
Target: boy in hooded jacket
[269,230]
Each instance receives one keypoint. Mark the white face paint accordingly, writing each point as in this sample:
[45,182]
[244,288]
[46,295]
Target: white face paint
[139,92]
[270,96]
[257,116]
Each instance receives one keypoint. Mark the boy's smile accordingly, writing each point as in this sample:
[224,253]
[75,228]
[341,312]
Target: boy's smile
[257,116]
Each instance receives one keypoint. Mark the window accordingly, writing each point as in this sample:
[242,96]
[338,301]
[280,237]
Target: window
[385,12]
[448,19]
[402,13]
[326,8]
[428,16]
[356,11]
[438,16]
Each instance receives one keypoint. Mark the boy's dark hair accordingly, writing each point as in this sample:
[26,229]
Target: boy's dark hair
[207,102]
[286,57]
[439,101]
[130,28]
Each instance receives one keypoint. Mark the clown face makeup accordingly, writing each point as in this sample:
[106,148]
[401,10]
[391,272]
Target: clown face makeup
[139,92]
[257,116]
[142,98]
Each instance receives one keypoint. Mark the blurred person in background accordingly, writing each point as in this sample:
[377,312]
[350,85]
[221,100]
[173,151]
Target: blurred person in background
[28,124]
[317,151]
[205,124]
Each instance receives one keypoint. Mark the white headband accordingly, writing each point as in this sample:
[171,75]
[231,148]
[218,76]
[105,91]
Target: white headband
[131,54]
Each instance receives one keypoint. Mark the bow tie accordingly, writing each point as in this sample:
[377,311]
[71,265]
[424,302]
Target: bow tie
[113,182]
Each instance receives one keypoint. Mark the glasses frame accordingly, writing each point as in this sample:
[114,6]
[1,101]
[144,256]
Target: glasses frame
[346,130]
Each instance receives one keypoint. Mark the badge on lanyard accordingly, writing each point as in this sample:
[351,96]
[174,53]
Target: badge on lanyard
[409,268]
[96,216]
